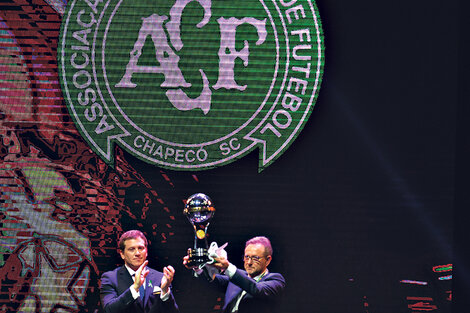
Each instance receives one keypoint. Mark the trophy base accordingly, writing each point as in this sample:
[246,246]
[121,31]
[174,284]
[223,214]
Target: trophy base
[197,257]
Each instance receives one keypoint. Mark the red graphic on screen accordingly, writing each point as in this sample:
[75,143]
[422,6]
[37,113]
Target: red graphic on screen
[62,208]
[36,272]
[421,304]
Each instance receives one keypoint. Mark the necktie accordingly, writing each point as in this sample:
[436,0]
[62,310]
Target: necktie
[142,291]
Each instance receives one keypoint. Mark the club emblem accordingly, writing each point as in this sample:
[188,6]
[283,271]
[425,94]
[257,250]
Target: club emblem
[191,84]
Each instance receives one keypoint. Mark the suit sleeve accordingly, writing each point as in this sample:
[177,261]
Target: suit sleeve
[169,304]
[157,304]
[270,287]
[111,301]
[221,281]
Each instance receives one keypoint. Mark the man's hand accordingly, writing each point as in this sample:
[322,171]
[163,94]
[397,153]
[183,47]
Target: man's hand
[140,275]
[186,261]
[168,274]
[221,263]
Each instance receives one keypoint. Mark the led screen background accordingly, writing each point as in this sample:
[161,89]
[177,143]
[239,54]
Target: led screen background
[359,208]
[195,84]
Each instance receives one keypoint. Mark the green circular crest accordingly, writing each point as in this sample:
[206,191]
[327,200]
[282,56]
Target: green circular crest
[191,84]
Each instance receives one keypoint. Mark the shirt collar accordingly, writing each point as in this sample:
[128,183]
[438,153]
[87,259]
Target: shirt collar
[130,270]
[258,278]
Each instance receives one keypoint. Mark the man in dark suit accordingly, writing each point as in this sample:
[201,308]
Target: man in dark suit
[255,289]
[134,287]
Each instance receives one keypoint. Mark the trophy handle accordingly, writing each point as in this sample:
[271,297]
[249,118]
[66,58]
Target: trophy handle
[200,236]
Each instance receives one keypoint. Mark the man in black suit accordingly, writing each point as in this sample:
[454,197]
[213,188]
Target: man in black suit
[134,287]
[255,289]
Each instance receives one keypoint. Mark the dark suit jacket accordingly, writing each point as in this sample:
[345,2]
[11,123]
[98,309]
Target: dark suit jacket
[260,297]
[116,297]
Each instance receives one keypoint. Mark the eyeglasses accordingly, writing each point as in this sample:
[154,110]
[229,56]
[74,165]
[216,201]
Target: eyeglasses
[253,258]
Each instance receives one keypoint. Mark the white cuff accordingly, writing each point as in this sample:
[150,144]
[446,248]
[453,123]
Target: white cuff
[135,294]
[230,271]
[165,296]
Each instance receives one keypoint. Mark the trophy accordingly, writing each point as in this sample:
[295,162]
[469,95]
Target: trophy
[199,210]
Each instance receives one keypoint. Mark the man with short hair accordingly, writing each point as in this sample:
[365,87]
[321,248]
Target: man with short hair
[135,287]
[255,289]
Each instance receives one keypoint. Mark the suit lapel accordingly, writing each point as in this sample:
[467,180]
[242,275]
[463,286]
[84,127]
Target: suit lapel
[232,294]
[148,289]
[124,279]
[151,281]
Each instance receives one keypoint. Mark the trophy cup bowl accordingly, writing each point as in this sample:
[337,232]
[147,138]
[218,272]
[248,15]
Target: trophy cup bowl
[199,210]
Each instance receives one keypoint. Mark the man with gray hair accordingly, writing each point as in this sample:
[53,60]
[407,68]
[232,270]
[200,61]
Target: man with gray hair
[255,289]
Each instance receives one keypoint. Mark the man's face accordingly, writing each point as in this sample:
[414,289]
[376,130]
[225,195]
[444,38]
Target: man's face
[135,253]
[255,261]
